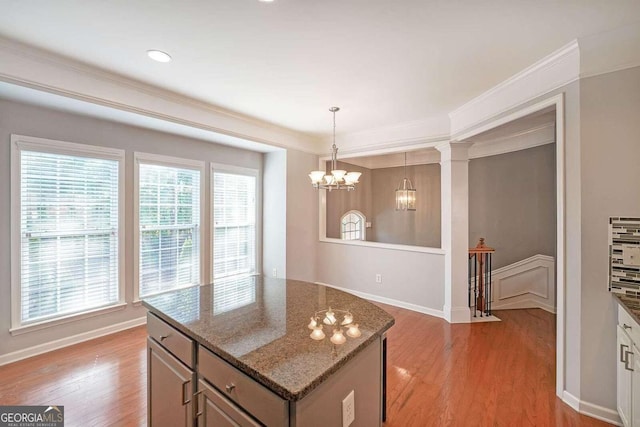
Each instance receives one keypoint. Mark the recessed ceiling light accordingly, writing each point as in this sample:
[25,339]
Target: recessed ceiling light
[158,55]
[266,1]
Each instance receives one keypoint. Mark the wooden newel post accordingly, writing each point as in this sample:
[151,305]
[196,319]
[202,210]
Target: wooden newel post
[480,276]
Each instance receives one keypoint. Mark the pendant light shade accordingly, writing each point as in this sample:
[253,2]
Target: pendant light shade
[405,194]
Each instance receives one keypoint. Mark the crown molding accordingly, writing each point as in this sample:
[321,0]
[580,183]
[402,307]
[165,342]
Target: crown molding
[393,160]
[611,51]
[524,139]
[530,138]
[551,72]
[30,67]
[389,148]
[430,130]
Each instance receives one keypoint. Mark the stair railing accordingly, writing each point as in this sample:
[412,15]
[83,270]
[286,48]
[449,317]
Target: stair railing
[480,295]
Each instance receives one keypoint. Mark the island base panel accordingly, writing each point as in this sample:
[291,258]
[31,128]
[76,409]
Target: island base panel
[363,375]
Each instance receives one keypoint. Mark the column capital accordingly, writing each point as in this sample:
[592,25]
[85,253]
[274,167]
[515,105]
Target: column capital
[454,150]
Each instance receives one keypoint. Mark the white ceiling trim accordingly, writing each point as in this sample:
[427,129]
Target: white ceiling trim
[404,134]
[555,70]
[614,50]
[382,149]
[522,140]
[423,157]
[27,66]
[535,137]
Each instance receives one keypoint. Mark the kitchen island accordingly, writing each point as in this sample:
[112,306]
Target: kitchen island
[239,352]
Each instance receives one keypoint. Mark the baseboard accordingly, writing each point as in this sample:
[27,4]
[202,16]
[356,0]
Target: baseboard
[389,301]
[592,410]
[525,303]
[571,400]
[67,341]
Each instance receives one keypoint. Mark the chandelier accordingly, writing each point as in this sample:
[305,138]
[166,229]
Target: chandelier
[339,179]
[405,194]
[330,319]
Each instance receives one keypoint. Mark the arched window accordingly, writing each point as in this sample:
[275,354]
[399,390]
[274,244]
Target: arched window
[352,226]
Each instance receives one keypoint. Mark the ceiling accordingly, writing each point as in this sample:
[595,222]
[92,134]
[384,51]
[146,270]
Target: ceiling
[384,63]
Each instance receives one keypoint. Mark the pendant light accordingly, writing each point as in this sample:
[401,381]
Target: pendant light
[405,194]
[339,179]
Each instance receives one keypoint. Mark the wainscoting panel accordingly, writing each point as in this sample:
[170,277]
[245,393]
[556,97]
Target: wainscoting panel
[529,283]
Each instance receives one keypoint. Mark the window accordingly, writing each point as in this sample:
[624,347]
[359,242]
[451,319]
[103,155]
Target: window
[168,223]
[234,221]
[66,227]
[352,226]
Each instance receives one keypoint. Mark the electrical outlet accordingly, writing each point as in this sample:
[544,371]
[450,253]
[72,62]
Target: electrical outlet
[275,272]
[378,278]
[348,409]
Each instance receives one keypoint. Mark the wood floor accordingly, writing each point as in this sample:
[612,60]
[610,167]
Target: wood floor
[489,374]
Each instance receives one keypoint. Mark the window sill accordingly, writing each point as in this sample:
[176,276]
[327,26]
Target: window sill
[392,246]
[66,319]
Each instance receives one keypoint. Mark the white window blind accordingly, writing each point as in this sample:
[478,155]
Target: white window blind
[234,224]
[68,234]
[169,223]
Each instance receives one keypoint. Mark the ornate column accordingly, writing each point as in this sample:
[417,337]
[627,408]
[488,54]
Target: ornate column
[454,180]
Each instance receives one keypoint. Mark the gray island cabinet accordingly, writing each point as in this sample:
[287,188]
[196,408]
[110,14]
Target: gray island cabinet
[239,353]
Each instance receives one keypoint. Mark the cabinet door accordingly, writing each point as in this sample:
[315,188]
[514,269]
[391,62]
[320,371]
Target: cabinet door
[169,388]
[635,393]
[624,375]
[215,410]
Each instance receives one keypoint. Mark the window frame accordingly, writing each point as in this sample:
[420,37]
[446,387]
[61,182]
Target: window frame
[169,161]
[21,143]
[236,170]
[363,225]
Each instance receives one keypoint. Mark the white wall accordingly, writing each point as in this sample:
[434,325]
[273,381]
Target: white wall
[610,160]
[274,221]
[302,217]
[413,280]
[45,123]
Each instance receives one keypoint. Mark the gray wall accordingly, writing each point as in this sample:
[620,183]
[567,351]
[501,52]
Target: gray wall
[274,222]
[45,123]
[610,159]
[341,202]
[302,217]
[512,203]
[420,227]
[375,198]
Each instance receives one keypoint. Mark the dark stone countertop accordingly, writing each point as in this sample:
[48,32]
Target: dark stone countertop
[259,325]
[631,304]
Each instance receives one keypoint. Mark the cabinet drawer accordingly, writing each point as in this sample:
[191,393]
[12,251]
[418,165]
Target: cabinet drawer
[266,406]
[170,338]
[215,410]
[629,325]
